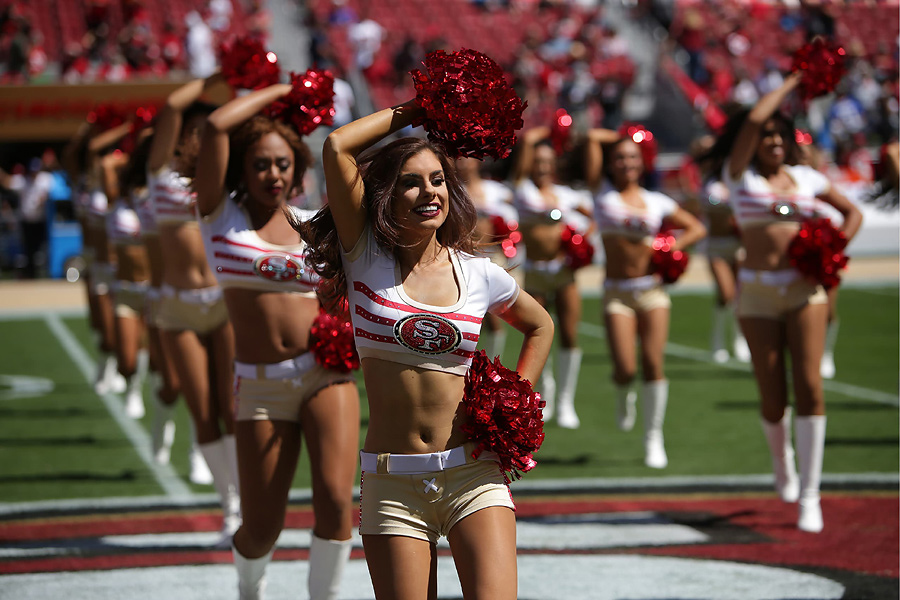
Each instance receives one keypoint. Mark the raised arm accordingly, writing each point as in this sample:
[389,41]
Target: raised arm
[344,185]
[110,167]
[111,136]
[593,156]
[212,161]
[168,122]
[526,153]
[529,317]
[748,137]
[692,229]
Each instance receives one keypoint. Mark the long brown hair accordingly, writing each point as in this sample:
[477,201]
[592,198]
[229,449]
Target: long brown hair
[380,170]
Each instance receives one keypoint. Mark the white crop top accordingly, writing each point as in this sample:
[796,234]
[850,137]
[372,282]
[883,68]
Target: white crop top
[755,203]
[239,258]
[172,198]
[389,325]
[614,217]
[532,205]
[143,206]
[96,207]
[122,225]
[497,200]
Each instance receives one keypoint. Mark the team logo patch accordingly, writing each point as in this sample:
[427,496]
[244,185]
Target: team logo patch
[427,334]
[278,267]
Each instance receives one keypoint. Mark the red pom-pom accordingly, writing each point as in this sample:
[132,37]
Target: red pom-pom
[667,263]
[561,131]
[822,65]
[247,65]
[470,108]
[310,103]
[107,115]
[143,118]
[645,140]
[579,251]
[331,341]
[504,415]
[817,251]
[508,235]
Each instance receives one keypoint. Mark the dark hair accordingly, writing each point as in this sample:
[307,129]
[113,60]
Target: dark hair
[380,170]
[186,154]
[251,132]
[135,173]
[713,160]
[196,109]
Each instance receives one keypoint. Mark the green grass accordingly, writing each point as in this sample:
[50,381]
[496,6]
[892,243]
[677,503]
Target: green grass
[65,445]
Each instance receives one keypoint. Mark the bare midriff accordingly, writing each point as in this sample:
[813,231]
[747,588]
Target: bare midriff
[543,240]
[269,327]
[626,257]
[184,259]
[767,244]
[132,263]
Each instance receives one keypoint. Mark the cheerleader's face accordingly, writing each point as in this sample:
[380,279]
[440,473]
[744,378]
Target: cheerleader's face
[626,164]
[269,170]
[543,170]
[421,198]
[772,148]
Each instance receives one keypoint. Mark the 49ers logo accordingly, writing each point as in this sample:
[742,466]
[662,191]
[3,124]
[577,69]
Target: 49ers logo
[427,334]
[278,267]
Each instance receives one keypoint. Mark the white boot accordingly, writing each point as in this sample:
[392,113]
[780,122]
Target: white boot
[251,574]
[655,397]
[497,343]
[626,398]
[826,366]
[741,349]
[778,436]
[199,470]
[810,451]
[109,380]
[326,564]
[548,389]
[163,432]
[134,397]
[216,455]
[569,367]
[721,315]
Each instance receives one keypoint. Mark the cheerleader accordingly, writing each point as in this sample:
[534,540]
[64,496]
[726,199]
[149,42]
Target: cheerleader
[493,200]
[779,310]
[249,167]
[545,209]
[635,304]
[192,316]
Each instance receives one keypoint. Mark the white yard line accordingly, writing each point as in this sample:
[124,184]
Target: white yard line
[164,474]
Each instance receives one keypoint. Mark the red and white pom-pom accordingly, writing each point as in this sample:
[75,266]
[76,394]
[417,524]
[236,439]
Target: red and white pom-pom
[579,251]
[331,342]
[561,131]
[667,263]
[645,140]
[822,64]
[504,415]
[470,108]
[107,115]
[817,251]
[310,103]
[507,233]
[247,65]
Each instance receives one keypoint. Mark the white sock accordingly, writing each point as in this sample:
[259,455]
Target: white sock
[655,397]
[251,574]
[810,452]
[134,397]
[626,398]
[569,367]
[778,437]
[548,388]
[496,344]
[326,564]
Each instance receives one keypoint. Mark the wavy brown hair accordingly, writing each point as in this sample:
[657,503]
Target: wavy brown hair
[251,132]
[380,170]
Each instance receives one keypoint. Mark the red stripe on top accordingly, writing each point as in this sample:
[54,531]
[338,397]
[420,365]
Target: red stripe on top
[224,240]
[374,297]
[386,339]
[233,257]
[374,318]
[234,271]
[472,337]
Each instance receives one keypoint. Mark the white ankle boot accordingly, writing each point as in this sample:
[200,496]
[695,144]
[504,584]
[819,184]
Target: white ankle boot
[109,380]
[778,437]
[717,338]
[655,397]
[220,465]
[626,398]
[199,471]
[810,452]
[569,367]
[134,397]
[827,368]
[548,389]
[251,574]
[163,432]
[326,565]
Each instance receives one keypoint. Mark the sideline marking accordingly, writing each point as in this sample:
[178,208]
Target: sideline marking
[23,386]
[691,353]
[164,474]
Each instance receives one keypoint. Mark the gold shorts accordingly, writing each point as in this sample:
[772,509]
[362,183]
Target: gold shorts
[544,277]
[277,392]
[426,506]
[100,278]
[774,294]
[130,298]
[151,307]
[202,310]
[631,296]
[727,248]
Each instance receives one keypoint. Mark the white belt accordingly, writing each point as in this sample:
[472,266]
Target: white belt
[635,284]
[411,464]
[154,293]
[546,266]
[291,368]
[780,278]
[207,295]
[138,287]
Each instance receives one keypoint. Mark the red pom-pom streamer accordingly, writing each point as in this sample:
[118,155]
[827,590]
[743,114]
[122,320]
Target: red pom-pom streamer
[470,108]
[667,263]
[107,115]
[504,415]
[579,251]
[247,65]
[817,251]
[508,234]
[561,131]
[331,342]
[310,103]
[822,65]
[645,140]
